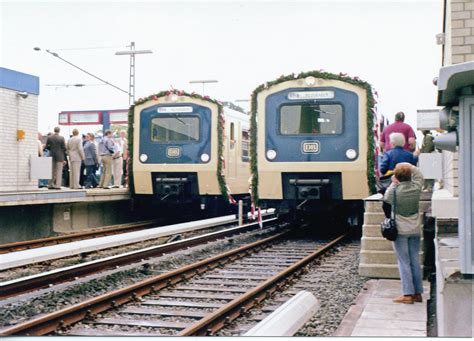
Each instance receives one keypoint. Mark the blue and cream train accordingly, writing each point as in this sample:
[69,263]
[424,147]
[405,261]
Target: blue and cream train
[313,142]
[311,138]
[187,149]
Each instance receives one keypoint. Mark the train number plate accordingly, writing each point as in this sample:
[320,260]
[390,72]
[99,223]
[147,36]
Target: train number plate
[173,152]
[310,147]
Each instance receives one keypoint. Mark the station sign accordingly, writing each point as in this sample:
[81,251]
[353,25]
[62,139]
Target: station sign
[299,95]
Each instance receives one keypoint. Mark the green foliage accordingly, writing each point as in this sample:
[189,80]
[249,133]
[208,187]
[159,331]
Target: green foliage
[371,114]
[220,134]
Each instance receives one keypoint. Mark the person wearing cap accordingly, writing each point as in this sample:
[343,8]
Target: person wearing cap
[399,126]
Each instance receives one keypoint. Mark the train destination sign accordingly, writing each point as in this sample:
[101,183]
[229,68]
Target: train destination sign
[174,110]
[311,94]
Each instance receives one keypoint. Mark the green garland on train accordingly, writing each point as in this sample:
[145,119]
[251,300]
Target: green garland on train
[220,135]
[322,75]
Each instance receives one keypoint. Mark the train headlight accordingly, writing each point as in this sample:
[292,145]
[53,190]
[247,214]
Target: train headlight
[310,80]
[351,154]
[205,157]
[143,157]
[271,154]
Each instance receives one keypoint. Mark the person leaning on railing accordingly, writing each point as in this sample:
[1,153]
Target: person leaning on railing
[407,181]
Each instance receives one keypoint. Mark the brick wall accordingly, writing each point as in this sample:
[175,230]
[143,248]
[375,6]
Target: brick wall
[17,113]
[462,31]
[459,48]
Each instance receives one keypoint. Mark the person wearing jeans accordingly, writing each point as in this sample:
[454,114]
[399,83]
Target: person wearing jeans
[407,181]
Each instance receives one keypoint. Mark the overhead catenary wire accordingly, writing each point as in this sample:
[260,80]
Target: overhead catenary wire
[88,48]
[81,69]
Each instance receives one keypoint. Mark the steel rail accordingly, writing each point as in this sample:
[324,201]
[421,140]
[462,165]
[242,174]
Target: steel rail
[105,231]
[235,308]
[35,282]
[52,321]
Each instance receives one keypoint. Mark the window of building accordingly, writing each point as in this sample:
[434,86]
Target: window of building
[311,119]
[175,129]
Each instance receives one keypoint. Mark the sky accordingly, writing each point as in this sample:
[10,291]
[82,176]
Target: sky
[242,44]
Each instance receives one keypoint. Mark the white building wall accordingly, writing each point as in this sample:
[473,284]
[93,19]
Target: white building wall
[17,113]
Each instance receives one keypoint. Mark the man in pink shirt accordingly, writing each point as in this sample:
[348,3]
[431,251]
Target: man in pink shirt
[398,127]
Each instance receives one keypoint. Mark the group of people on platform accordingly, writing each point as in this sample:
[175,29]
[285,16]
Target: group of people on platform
[401,183]
[81,157]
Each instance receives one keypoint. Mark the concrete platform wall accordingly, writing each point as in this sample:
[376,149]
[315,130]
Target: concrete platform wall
[19,223]
[377,257]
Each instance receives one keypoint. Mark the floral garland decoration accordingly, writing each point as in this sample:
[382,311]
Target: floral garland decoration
[220,134]
[371,119]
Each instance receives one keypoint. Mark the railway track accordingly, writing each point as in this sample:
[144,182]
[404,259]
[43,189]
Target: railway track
[102,232]
[197,299]
[50,278]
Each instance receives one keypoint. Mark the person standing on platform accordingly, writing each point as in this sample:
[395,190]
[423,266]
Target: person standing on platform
[82,177]
[398,127]
[390,160]
[76,155]
[406,184]
[57,150]
[427,146]
[91,162]
[106,150]
[117,164]
[124,143]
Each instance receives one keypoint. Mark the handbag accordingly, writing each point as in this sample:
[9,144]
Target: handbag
[389,225]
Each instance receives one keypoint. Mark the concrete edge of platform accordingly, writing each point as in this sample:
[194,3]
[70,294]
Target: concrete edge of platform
[355,311]
[373,313]
[63,196]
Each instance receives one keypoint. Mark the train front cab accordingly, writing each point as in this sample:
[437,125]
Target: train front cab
[312,144]
[175,149]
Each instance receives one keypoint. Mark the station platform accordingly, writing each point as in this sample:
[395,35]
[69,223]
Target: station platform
[375,315]
[44,213]
[64,195]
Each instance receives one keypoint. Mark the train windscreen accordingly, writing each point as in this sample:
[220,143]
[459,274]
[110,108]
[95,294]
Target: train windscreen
[311,119]
[175,129]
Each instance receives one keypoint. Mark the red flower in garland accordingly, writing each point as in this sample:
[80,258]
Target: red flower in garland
[154,97]
[206,97]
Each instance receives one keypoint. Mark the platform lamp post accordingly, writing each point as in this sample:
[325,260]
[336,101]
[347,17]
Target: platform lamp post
[132,52]
[203,82]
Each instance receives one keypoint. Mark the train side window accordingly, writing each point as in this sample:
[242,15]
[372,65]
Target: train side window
[245,146]
[232,135]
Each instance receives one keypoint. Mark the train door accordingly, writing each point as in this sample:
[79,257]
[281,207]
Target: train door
[232,143]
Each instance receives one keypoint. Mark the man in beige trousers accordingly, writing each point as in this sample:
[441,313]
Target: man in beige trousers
[76,155]
[57,150]
[106,150]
